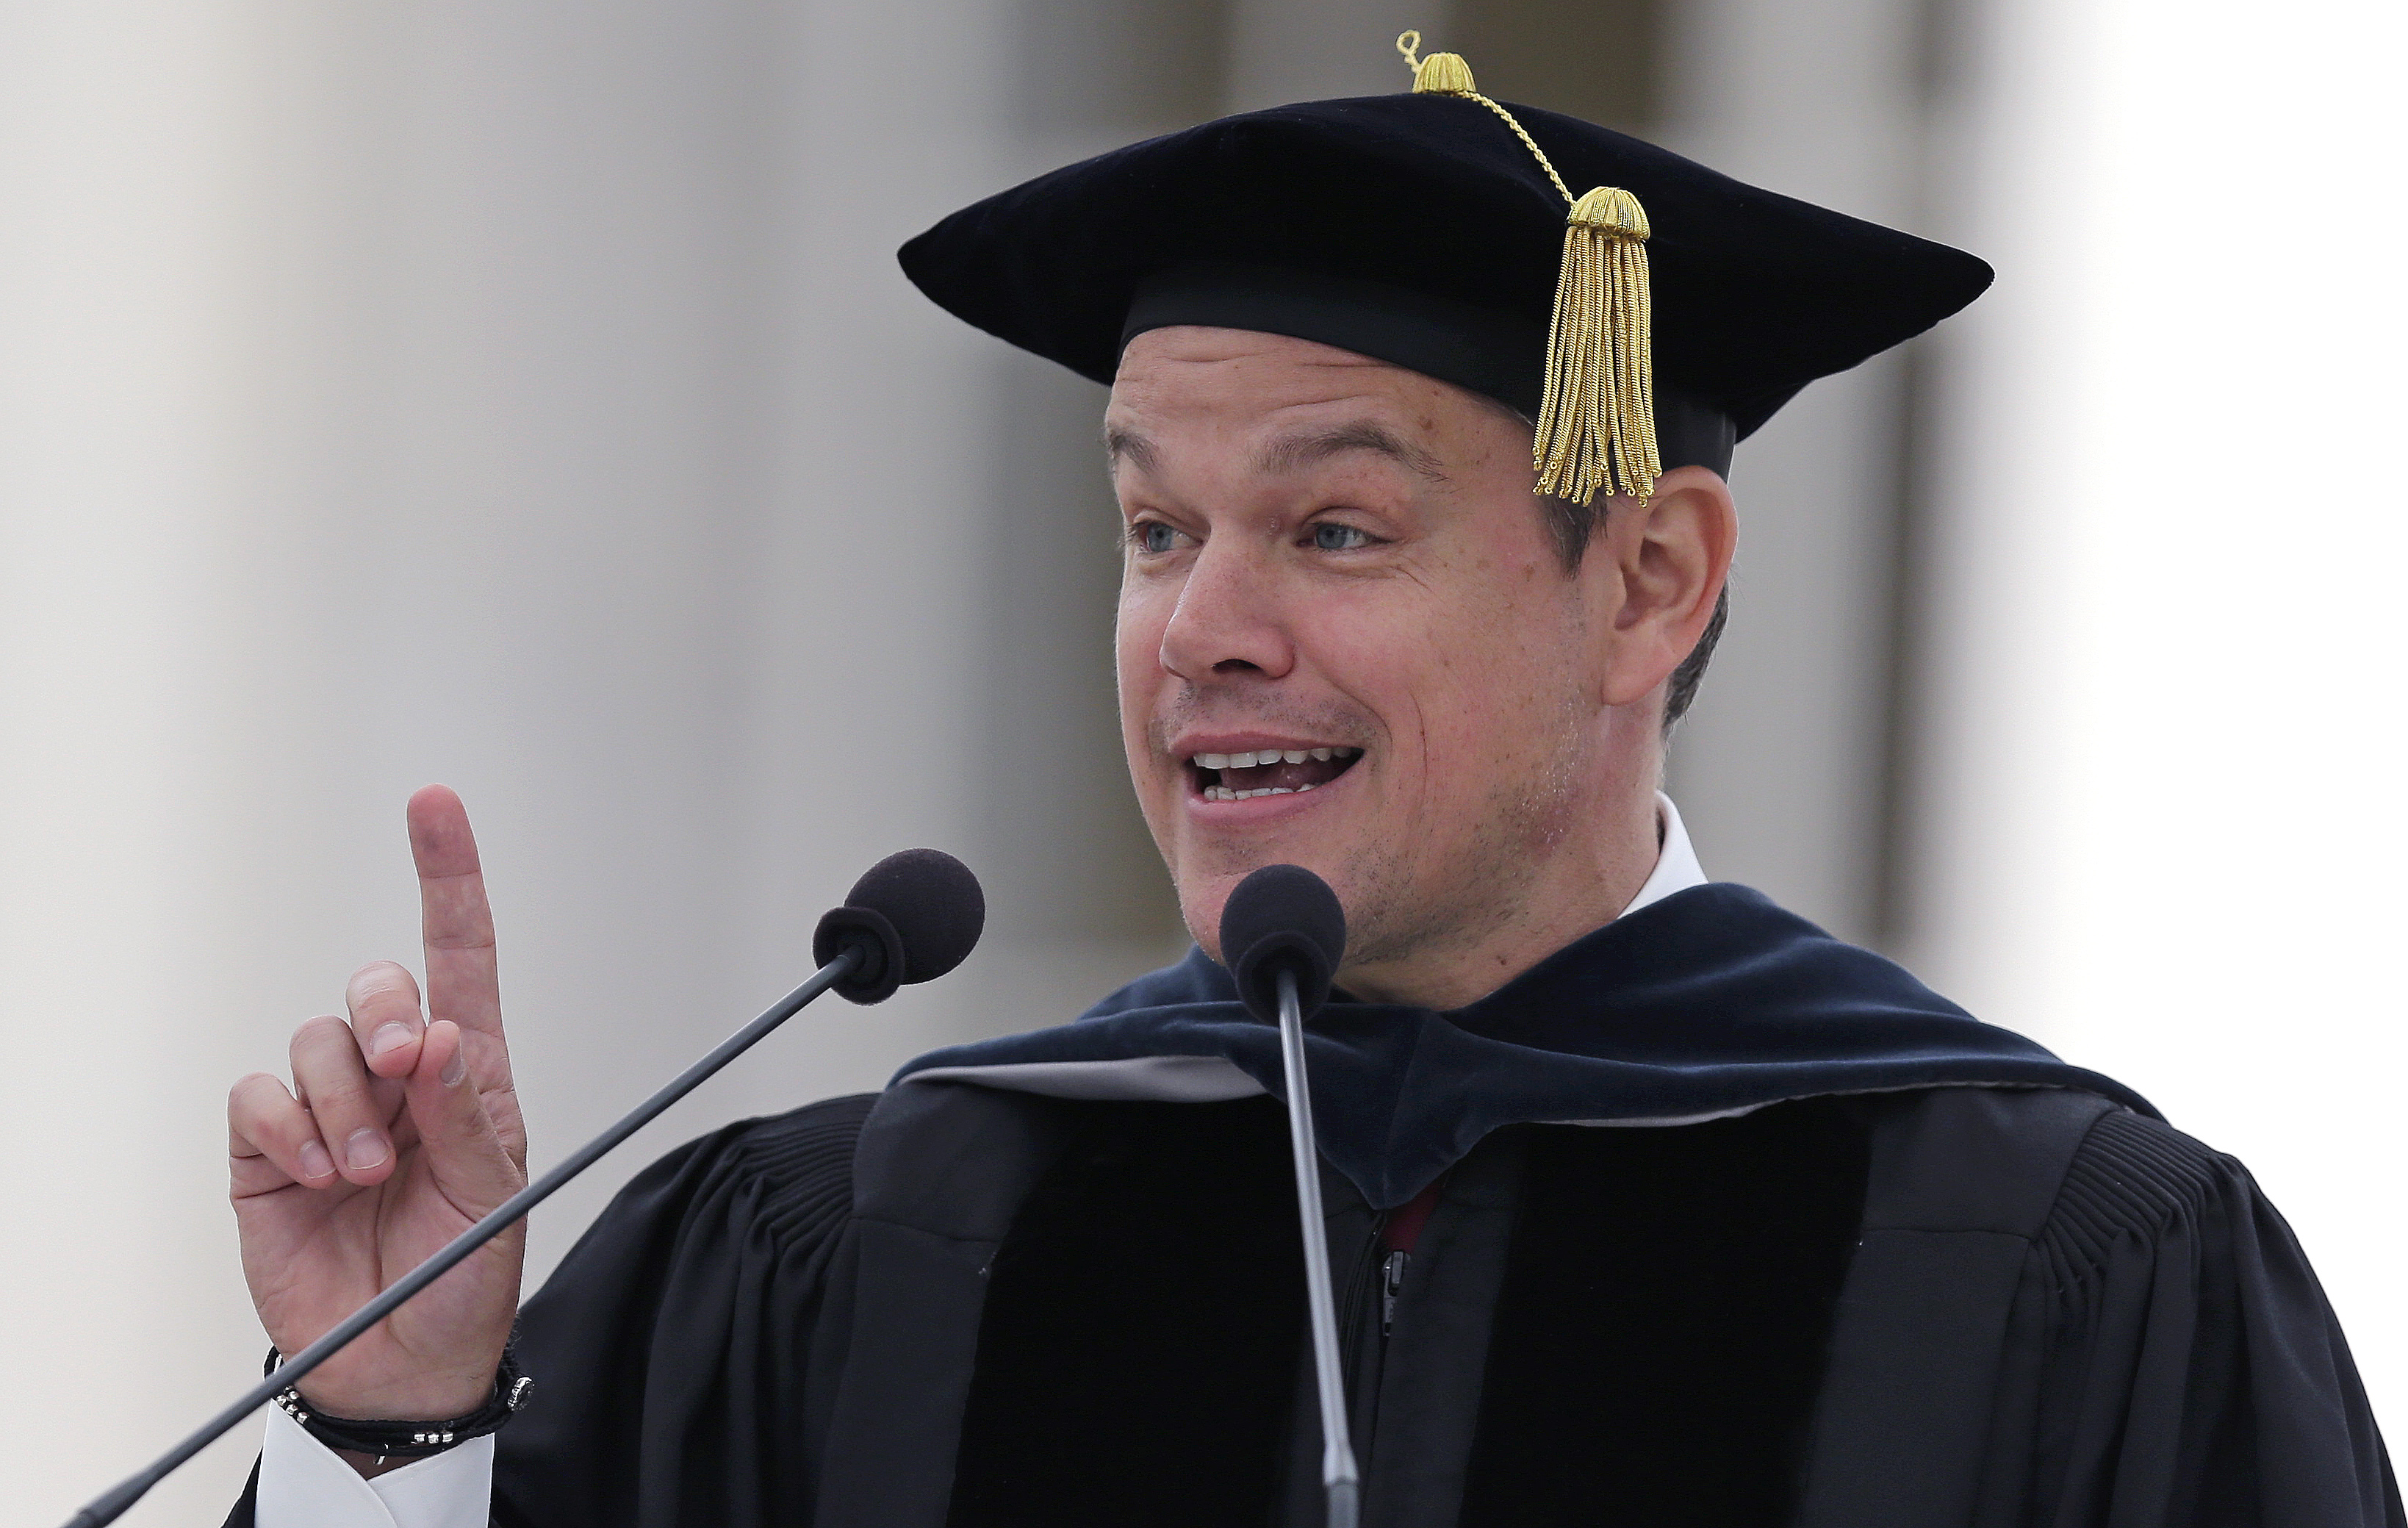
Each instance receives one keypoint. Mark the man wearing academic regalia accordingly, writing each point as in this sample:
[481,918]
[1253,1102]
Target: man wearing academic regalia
[1648,1203]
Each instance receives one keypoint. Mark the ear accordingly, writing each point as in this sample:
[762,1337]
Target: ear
[1662,562]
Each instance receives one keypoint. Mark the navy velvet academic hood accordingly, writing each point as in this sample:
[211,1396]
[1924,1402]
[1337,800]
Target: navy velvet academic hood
[1711,1002]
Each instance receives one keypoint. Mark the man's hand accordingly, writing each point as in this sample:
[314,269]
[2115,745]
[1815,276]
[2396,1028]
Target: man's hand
[402,1129]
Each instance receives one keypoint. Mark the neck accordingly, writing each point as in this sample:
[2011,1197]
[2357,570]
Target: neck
[1592,875]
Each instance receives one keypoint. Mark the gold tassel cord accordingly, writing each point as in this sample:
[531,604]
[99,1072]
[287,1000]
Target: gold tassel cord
[1596,415]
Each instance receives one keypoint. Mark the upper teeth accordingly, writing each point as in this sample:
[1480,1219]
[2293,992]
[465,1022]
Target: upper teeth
[1272,755]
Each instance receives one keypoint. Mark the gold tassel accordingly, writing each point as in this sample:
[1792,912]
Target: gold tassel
[1597,416]
[1596,420]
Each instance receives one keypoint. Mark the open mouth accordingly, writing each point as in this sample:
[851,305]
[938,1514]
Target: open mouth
[1270,772]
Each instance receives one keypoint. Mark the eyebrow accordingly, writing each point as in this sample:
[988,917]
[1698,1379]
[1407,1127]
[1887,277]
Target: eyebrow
[1293,453]
[1127,445]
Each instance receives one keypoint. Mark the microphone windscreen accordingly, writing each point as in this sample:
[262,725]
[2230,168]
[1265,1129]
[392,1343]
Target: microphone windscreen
[913,916]
[1282,917]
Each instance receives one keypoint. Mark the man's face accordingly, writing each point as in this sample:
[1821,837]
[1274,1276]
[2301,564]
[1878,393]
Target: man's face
[1345,638]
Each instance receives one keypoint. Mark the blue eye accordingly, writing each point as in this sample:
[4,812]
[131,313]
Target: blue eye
[1329,536]
[1154,536]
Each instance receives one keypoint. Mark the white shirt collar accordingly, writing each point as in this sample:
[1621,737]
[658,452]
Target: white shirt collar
[1676,859]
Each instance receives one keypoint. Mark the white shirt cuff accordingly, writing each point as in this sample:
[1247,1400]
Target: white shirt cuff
[304,1484]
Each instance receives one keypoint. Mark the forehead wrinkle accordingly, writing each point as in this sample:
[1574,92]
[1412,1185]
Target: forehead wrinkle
[1306,448]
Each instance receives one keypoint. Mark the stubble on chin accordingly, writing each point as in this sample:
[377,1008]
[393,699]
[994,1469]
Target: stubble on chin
[1413,898]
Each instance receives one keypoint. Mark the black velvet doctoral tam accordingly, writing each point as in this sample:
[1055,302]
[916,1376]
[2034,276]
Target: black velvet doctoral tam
[1418,229]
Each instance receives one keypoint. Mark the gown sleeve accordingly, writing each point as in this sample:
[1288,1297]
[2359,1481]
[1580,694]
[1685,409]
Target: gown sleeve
[673,1346]
[672,1349]
[2181,1364]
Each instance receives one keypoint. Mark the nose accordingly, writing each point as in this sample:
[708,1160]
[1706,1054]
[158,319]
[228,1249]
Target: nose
[1227,622]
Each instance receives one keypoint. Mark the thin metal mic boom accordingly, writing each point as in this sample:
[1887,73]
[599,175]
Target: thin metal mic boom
[109,1506]
[1338,1472]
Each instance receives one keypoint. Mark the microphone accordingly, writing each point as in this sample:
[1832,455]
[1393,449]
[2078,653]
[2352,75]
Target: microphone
[912,918]
[1283,934]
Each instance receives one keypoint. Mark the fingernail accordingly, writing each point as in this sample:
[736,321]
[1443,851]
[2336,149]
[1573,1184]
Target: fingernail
[391,1035]
[363,1150]
[457,1067]
[315,1164]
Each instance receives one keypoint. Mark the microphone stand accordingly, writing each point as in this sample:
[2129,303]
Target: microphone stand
[111,1504]
[1338,1473]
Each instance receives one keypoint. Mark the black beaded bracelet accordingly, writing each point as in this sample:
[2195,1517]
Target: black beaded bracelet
[409,1440]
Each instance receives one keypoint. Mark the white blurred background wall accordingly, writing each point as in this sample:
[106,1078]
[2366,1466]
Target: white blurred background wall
[2159,727]
[524,396]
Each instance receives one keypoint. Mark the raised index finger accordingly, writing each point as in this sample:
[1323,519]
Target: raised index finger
[463,983]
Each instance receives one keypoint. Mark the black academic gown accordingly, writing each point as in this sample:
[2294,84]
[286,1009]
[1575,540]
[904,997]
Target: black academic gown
[1008,1291]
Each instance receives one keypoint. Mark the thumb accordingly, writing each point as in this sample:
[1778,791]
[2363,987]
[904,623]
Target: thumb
[462,1148]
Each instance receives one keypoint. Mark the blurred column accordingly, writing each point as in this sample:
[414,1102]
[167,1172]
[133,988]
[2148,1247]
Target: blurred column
[1600,60]
[1282,52]
[1077,898]
[524,397]
[116,129]
[1782,768]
